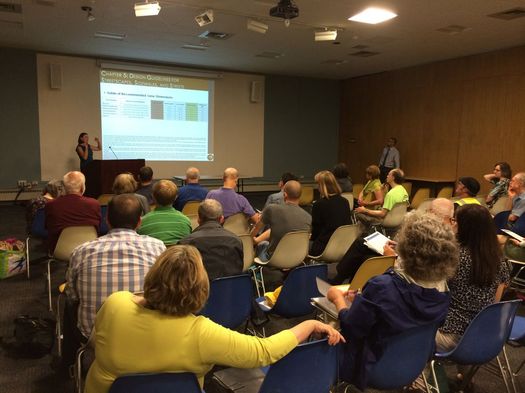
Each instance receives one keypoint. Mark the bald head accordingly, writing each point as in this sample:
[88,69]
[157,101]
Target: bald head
[74,182]
[292,191]
[518,182]
[230,177]
[443,208]
[192,175]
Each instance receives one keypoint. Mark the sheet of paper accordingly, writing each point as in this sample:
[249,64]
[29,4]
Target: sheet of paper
[513,234]
[376,241]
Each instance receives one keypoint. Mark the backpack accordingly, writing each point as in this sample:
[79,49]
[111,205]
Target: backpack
[33,337]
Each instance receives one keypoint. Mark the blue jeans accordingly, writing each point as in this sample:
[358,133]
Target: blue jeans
[262,251]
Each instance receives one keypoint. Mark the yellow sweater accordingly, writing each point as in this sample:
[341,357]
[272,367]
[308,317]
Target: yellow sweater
[132,339]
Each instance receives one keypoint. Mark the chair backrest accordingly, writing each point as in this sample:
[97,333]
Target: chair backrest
[230,300]
[370,268]
[517,334]
[158,383]
[237,224]
[350,198]
[191,207]
[445,192]
[412,349]
[501,222]
[419,197]
[357,188]
[307,195]
[70,238]
[500,205]
[38,226]
[339,243]
[485,336]
[394,217]
[103,228]
[248,252]
[408,187]
[291,250]
[298,288]
[481,199]
[425,205]
[194,220]
[104,199]
[311,367]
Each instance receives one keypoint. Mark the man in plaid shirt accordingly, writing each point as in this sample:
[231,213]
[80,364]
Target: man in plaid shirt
[115,262]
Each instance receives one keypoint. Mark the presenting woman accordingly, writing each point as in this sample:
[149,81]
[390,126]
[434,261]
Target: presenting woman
[160,332]
[413,293]
[85,150]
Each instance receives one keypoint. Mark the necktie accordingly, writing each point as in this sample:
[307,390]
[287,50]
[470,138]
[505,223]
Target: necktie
[385,157]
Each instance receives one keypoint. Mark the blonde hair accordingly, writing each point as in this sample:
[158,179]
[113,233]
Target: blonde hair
[373,171]
[177,284]
[328,185]
[124,184]
[165,192]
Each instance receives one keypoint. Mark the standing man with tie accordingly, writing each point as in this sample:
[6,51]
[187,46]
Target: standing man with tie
[389,158]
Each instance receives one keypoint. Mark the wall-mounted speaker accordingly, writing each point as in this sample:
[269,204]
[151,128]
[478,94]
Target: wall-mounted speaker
[256,91]
[55,76]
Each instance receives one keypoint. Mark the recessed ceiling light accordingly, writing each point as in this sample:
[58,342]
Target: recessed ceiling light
[147,9]
[373,16]
[110,36]
[325,35]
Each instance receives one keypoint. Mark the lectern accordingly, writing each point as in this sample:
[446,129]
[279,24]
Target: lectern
[100,174]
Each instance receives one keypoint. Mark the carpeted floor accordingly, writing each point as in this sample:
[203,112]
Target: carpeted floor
[22,296]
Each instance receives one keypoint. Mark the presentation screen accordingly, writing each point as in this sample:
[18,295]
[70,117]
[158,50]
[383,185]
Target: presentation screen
[157,117]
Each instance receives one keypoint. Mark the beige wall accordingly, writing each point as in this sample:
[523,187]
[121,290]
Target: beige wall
[75,108]
[451,118]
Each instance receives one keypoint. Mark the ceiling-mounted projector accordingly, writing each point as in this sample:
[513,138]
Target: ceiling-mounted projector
[285,9]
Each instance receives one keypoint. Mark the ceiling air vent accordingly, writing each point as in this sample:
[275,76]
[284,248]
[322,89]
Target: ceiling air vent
[360,47]
[364,53]
[270,55]
[334,62]
[11,8]
[215,35]
[195,47]
[513,13]
[453,29]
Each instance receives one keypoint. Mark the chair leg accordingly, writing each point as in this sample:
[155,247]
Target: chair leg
[49,285]
[262,282]
[468,377]
[256,280]
[435,387]
[59,327]
[27,258]
[506,372]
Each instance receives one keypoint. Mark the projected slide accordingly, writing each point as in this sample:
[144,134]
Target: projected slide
[155,117]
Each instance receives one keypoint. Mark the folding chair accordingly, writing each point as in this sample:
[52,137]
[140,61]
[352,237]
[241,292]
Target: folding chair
[69,239]
[311,367]
[191,207]
[483,340]
[393,218]
[338,245]
[104,199]
[307,196]
[517,339]
[103,228]
[499,206]
[290,252]
[157,383]
[37,231]
[408,186]
[370,268]
[237,224]
[445,192]
[194,219]
[350,198]
[420,195]
[230,300]
[357,188]
[248,252]
[425,205]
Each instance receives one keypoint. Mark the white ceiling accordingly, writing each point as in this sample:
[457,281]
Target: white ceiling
[60,26]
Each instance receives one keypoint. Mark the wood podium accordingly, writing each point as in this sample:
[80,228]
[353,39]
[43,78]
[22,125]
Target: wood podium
[100,174]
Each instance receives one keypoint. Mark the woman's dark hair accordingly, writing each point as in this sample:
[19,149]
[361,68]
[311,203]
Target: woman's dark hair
[82,134]
[340,171]
[506,172]
[477,233]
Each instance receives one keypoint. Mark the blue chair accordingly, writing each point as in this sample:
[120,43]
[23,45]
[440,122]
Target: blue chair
[103,227]
[299,287]
[311,367]
[483,340]
[230,300]
[404,358]
[517,339]
[156,383]
[38,230]
[500,220]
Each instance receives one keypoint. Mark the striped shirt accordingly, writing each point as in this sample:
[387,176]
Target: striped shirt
[115,262]
[166,224]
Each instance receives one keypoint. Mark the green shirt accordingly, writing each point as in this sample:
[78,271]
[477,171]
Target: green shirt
[368,191]
[397,194]
[166,224]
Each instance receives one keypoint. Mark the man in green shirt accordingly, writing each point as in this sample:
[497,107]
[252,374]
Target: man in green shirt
[397,194]
[165,223]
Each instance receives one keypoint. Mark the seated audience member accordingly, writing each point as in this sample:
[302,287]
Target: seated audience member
[500,179]
[52,190]
[160,332]
[281,219]
[466,190]
[278,197]
[397,194]
[481,276]
[221,250]
[146,183]
[371,196]
[192,191]
[126,184]
[115,262]
[165,222]
[359,252]
[413,293]
[329,213]
[516,198]
[231,202]
[342,176]
[71,209]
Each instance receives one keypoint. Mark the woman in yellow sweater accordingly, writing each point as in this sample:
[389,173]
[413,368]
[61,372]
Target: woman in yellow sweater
[160,333]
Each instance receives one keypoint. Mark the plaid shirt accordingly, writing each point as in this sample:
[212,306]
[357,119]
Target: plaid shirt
[115,262]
